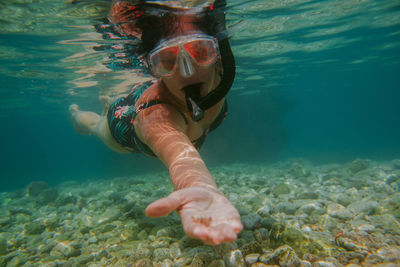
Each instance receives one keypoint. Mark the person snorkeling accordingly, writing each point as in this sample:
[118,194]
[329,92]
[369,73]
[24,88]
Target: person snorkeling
[187,51]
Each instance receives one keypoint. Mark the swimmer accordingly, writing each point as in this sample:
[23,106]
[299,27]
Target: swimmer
[189,56]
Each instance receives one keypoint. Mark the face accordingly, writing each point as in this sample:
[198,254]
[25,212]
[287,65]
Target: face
[186,58]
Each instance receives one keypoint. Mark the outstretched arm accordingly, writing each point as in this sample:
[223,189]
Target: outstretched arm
[206,214]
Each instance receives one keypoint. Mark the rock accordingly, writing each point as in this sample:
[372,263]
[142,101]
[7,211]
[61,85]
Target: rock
[396,163]
[46,196]
[251,258]
[287,207]
[372,259]
[264,211]
[338,211]
[250,221]
[3,246]
[281,189]
[143,263]
[388,221]
[358,165]
[308,195]
[34,228]
[309,208]
[19,260]
[366,228]
[297,170]
[66,198]
[284,256]
[322,263]
[235,259]
[304,263]
[217,263]
[368,207]
[65,249]
[160,254]
[389,254]
[5,221]
[250,248]
[35,188]
[175,251]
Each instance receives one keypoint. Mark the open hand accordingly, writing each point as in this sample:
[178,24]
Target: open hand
[205,213]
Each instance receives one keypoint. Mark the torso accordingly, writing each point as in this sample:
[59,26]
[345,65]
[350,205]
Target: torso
[157,91]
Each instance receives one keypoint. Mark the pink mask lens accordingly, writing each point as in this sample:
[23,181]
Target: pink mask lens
[203,52]
[164,62]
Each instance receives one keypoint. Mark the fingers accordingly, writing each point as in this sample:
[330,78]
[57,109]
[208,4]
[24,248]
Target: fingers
[212,235]
[163,206]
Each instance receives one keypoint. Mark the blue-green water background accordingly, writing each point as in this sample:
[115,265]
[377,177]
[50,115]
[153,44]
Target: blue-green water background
[327,97]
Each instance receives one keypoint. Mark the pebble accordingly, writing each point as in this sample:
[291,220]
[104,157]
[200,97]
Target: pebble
[235,259]
[250,221]
[323,264]
[366,228]
[297,217]
[338,211]
[251,258]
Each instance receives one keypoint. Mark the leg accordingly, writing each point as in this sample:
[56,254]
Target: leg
[85,122]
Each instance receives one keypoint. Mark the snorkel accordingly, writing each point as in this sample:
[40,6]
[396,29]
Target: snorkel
[214,14]
[196,104]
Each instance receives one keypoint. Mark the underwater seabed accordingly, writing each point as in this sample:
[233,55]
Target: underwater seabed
[294,214]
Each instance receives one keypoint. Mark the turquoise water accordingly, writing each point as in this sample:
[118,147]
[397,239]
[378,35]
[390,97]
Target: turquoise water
[317,80]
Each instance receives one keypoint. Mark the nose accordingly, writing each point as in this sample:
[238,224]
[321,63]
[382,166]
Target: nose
[185,65]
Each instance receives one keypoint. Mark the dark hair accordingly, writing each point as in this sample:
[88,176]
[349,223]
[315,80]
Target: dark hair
[158,22]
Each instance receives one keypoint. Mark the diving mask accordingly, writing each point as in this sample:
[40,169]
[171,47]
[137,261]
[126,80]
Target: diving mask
[200,49]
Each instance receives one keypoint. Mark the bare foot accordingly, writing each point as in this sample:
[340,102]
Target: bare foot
[78,120]
[206,214]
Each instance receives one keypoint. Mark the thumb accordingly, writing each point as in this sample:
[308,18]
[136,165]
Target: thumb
[164,206]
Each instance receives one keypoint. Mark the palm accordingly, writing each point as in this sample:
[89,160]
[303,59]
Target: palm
[206,214]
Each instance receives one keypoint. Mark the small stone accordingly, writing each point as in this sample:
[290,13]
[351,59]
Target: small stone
[267,258]
[165,232]
[372,259]
[287,207]
[19,260]
[338,211]
[308,195]
[160,254]
[235,259]
[281,189]
[65,198]
[264,211]
[142,235]
[46,196]
[34,228]
[389,253]
[396,163]
[309,208]
[366,228]
[286,256]
[260,264]
[323,264]
[297,170]
[65,249]
[250,221]
[251,258]
[35,188]
[358,165]
[304,263]
[143,263]
[252,247]
[175,251]
[3,246]
[217,263]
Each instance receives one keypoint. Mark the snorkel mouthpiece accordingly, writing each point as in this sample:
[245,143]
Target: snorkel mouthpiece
[192,96]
